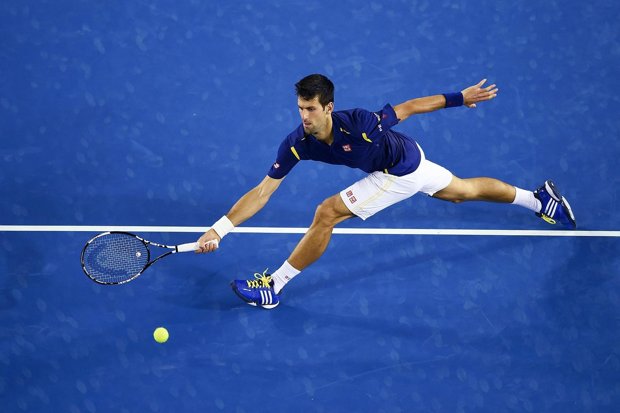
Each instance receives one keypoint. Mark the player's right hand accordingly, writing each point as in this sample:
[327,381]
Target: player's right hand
[208,242]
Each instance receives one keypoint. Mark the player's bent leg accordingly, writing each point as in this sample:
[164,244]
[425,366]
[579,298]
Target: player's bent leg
[260,291]
[328,214]
[477,189]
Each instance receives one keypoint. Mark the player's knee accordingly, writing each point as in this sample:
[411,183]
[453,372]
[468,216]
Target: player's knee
[326,214]
[465,195]
[465,191]
[451,196]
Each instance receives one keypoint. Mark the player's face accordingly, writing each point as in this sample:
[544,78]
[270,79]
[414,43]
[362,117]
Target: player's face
[313,115]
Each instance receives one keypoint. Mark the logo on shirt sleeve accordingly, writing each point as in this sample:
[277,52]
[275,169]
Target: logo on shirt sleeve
[378,121]
[276,165]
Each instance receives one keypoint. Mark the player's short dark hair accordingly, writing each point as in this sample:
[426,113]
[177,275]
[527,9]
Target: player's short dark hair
[316,85]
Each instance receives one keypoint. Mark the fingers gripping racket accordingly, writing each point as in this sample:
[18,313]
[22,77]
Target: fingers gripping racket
[117,257]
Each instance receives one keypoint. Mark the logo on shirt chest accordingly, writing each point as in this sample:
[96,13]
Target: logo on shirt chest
[347,148]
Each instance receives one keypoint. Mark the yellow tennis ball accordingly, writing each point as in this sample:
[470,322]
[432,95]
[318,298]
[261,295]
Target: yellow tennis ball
[161,335]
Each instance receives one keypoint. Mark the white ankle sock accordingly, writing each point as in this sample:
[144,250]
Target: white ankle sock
[527,200]
[283,275]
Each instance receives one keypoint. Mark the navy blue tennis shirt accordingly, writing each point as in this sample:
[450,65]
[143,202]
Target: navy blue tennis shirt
[362,140]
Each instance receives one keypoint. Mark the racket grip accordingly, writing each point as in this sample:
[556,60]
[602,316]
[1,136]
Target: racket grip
[192,246]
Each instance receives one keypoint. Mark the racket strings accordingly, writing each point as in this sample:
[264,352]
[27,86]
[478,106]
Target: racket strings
[115,258]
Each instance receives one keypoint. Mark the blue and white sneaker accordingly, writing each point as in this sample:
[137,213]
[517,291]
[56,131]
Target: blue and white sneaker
[555,207]
[257,292]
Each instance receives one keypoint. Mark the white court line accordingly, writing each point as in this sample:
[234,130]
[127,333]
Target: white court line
[284,230]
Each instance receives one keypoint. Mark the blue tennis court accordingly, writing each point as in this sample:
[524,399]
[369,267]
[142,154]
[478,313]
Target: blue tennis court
[156,117]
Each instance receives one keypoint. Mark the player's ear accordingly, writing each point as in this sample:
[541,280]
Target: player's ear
[329,108]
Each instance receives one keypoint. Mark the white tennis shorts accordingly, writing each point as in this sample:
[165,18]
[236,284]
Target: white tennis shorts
[379,190]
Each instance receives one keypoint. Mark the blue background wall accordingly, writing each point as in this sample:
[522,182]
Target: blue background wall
[164,113]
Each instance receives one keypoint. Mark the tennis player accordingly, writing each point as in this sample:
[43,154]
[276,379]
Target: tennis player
[397,169]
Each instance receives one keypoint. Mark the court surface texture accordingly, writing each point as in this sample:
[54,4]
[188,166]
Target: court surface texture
[156,116]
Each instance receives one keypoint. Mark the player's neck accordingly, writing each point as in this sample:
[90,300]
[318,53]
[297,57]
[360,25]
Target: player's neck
[326,135]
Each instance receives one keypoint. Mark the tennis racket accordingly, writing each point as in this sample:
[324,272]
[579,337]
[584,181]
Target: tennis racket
[117,257]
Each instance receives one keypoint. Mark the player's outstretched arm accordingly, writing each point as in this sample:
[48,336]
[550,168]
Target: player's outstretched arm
[467,97]
[245,208]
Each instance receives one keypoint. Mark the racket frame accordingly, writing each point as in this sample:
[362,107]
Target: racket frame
[173,249]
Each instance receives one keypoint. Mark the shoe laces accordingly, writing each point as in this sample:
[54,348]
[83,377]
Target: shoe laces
[261,280]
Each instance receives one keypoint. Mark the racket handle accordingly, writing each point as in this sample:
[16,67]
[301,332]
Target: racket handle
[192,246]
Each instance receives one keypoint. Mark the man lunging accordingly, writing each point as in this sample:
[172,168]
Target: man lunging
[397,169]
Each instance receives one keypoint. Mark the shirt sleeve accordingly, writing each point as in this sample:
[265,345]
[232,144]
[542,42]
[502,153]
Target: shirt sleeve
[373,125]
[286,159]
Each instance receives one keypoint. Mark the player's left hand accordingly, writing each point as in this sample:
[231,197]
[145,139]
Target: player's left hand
[478,93]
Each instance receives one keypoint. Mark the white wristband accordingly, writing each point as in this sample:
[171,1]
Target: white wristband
[223,226]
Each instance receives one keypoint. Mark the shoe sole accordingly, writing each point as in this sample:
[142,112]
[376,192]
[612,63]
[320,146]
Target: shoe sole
[252,303]
[553,191]
[569,210]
